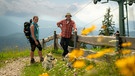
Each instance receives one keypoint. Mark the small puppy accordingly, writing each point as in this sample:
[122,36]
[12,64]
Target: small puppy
[49,61]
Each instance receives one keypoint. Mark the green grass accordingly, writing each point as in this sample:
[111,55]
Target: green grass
[104,69]
[60,69]
[37,69]
[12,54]
[33,70]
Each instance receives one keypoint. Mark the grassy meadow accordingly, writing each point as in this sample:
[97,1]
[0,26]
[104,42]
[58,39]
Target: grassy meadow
[97,64]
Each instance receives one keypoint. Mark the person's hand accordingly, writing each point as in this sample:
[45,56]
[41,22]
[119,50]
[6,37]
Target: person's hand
[36,42]
[75,30]
[60,34]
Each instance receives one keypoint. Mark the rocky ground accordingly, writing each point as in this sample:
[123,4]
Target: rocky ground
[14,67]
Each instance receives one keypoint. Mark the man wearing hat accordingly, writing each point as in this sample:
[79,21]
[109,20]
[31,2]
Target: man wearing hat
[66,27]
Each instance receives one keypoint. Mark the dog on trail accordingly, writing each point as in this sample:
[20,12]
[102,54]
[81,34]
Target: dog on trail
[49,61]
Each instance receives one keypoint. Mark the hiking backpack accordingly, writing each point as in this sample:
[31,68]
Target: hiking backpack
[27,29]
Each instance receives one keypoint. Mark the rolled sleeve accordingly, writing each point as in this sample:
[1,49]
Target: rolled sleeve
[59,23]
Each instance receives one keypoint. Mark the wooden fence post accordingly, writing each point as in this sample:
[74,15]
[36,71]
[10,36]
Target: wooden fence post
[55,41]
[75,39]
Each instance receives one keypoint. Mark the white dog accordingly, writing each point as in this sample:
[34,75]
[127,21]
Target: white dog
[49,61]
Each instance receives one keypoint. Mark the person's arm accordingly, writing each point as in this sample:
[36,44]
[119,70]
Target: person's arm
[32,33]
[59,24]
[74,27]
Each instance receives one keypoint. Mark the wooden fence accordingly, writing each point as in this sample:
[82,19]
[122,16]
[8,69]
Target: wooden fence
[112,41]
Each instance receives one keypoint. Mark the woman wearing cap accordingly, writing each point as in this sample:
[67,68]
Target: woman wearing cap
[66,27]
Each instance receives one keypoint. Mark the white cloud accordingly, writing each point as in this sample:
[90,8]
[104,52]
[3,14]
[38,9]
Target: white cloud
[2,7]
[37,7]
[53,10]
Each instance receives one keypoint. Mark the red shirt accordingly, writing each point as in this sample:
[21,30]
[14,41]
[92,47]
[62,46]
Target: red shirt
[66,27]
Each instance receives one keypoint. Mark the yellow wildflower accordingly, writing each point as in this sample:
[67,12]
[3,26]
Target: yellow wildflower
[44,74]
[79,64]
[126,66]
[129,44]
[125,72]
[91,56]
[126,51]
[110,50]
[89,67]
[77,53]
[121,62]
[99,54]
[71,57]
[126,44]
[88,30]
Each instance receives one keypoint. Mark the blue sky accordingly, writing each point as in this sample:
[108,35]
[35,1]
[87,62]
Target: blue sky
[19,11]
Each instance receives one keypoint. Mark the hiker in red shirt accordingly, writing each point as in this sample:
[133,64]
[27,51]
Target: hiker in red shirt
[66,27]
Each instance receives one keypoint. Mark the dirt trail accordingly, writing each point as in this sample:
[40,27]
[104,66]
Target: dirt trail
[15,67]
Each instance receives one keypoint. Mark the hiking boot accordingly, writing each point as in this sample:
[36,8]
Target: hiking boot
[41,59]
[32,61]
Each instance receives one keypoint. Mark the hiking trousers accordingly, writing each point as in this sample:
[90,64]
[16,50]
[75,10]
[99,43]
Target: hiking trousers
[64,44]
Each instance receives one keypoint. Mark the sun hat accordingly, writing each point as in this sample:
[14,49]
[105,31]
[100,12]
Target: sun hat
[68,14]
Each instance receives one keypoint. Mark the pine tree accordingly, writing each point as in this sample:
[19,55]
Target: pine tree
[107,29]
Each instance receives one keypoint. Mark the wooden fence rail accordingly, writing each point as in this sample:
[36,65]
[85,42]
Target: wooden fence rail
[92,40]
[55,37]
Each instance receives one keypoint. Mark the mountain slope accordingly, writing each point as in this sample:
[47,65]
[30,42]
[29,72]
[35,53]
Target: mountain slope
[8,27]
[17,40]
